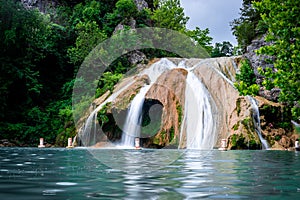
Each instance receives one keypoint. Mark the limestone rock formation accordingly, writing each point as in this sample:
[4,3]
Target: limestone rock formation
[257,60]
[136,57]
[233,113]
[169,89]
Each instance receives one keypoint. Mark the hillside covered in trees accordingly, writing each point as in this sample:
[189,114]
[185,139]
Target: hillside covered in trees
[43,44]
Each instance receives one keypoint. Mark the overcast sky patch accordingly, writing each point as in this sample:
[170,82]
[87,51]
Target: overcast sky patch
[214,15]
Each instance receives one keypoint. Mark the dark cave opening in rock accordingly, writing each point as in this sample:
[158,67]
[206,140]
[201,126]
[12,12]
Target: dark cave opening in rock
[151,119]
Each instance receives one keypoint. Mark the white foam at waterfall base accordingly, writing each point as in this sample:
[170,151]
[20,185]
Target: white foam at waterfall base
[198,115]
[132,126]
[256,121]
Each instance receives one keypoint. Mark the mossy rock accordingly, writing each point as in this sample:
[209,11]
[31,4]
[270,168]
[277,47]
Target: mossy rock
[240,142]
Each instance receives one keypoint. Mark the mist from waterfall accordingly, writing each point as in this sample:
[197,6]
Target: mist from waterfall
[133,122]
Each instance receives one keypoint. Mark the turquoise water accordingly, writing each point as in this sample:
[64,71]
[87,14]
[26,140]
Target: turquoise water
[32,173]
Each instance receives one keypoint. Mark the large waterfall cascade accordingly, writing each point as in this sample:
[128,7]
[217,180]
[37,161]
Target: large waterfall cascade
[198,114]
[200,120]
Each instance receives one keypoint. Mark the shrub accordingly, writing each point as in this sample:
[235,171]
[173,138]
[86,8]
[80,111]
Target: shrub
[245,80]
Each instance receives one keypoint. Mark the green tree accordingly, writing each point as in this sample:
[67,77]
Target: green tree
[245,80]
[126,8]
[248,25]
[23,41]
[33,65]
[222,49]
[169,14]
[282,20]
[89,36]
[201,37]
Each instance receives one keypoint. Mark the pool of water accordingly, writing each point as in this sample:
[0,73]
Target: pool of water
[32,173]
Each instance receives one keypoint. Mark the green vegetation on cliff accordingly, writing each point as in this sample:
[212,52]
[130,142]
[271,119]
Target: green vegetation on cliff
[245,80]
[41,53]
[278,20]
[282,17]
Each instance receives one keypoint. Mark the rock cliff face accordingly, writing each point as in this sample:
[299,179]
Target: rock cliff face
[261,61]
[169,90]
[141,4]
[234,111]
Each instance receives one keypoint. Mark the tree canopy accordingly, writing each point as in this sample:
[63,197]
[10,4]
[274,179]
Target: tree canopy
[278,22]
[282,18]
[41,52]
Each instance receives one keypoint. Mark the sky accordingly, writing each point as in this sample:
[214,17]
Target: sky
[214,15]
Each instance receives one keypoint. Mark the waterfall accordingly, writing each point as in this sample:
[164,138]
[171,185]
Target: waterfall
[88,133]
[198,115]
[256,121]
[132,126]
[200,123]
[155,70]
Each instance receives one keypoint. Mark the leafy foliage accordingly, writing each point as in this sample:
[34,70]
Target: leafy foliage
[282,20]
[33,66]
[245,80]
[201,37]
[248,26]
[107,82]
[41,53]
[89,35]
[169,14]
[126,8]
[222,49]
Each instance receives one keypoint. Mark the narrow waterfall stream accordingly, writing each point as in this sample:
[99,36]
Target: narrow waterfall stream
[256,121]
[132,126]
